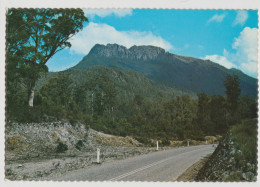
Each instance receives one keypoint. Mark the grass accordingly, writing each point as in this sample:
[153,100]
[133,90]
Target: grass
[244,137]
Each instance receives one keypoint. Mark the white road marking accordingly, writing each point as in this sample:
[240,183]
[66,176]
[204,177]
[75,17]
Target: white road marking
[148,166]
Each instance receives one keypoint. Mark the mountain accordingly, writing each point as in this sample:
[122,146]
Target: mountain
[128,83]
[172,70]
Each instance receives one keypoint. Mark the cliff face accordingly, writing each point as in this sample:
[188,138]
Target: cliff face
[134,53]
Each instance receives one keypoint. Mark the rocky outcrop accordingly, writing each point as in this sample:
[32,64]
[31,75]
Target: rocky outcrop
[134,53]
[227,164]
[38,140]
[52,139]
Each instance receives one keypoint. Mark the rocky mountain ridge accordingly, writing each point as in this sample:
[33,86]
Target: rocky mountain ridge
[134,52]
[169,69]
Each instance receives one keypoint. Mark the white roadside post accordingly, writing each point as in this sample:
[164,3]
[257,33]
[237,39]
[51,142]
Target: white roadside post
[188,143]
[157,145]
[98,155]
[206,141]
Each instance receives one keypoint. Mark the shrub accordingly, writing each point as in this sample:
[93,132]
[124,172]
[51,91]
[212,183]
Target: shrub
[245,137]
[143,140]
[166,142]
[61,148]
[79,145]
[15,142]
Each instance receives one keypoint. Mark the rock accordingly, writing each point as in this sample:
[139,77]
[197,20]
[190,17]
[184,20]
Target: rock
[8,172]
[232,151]
[249,166]
[248,176]
[56,165]
[134,53]
[20,166]
[39,174]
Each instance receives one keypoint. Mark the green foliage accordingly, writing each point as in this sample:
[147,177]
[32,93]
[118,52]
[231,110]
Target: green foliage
[79,145]
[61,148]
[166,142]
[143,140]
[103,93]
[56,97]
[57,90]
[233,91]
[247,107]
[33,37]
[218,113]
[115,105]
[245,137]
[26,114]
[203,113]
[171,70]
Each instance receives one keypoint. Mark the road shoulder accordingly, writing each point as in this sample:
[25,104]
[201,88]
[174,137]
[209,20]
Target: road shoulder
[190,173]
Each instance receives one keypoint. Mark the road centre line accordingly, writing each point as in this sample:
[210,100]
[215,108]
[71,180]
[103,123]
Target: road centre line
[148,166]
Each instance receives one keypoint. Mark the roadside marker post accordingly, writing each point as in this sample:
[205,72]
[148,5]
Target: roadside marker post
[98,155]
[157,145]
[206,141]
[188,143]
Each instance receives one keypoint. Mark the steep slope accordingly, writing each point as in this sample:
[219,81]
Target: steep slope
[127,83]
[235,158]
[172,70]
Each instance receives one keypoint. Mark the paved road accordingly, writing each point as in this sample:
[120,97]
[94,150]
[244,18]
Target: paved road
[158,166]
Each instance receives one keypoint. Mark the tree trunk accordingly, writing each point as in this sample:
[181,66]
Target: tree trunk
[31,97]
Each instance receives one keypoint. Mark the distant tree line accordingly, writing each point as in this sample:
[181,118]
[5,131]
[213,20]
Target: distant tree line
[95,104]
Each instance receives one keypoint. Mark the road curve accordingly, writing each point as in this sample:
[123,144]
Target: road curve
[158,166]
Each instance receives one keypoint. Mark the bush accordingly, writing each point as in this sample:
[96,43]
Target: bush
[15,142]
[143,140]
[79,145]
[61,148]
[245,137]
[26,114]
[166,142]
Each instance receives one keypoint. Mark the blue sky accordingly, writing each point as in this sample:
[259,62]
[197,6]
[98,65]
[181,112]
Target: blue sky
[227,37]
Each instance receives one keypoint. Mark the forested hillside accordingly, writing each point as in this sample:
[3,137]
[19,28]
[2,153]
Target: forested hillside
[187,73]
[127,103]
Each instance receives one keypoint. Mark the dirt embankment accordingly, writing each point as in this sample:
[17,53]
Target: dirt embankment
[36,150]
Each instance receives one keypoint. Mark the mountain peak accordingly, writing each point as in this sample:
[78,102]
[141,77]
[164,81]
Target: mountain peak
[135,52]
[146,52]
[109,50]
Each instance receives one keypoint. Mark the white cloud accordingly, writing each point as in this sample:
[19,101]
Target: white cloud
[107,12]
[217,18]
[222,60]
[241,17]
[103,34]
[245,52]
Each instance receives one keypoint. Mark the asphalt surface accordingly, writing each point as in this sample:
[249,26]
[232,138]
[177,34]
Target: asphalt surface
[158,166]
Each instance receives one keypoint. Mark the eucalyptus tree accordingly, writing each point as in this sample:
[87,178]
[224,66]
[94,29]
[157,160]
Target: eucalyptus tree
[33,37]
